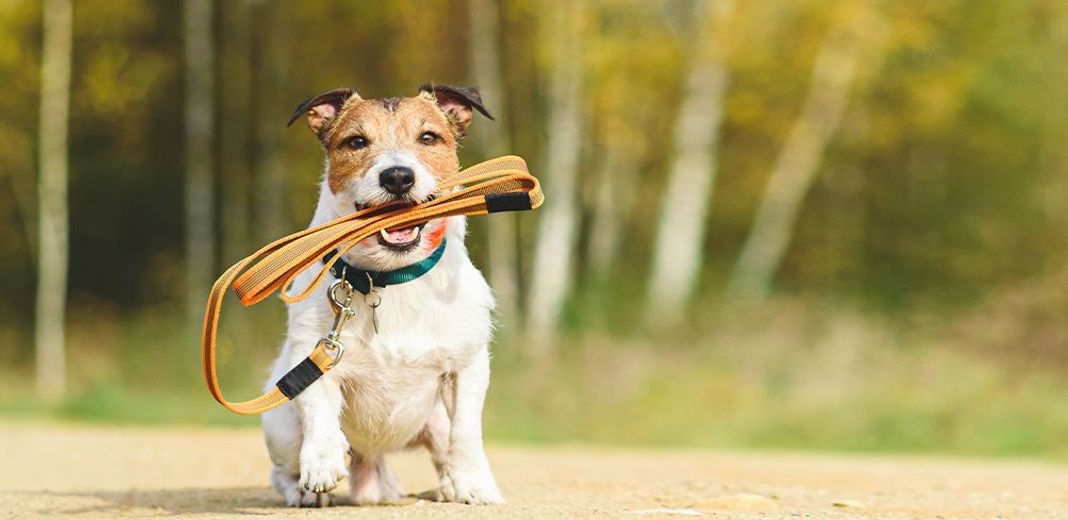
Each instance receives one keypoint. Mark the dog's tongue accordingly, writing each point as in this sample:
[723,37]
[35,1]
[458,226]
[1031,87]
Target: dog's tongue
[401,235]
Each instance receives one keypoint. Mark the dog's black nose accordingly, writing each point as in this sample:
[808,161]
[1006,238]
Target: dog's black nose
[397,180]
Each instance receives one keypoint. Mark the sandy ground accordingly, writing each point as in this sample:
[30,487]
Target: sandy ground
[105,472]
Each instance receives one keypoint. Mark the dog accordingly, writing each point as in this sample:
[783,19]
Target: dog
[417,367]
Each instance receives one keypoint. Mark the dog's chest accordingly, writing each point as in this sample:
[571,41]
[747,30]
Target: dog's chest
[412,330]
[391,378]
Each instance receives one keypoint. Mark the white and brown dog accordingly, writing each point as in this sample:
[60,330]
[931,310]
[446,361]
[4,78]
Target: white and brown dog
[421,377]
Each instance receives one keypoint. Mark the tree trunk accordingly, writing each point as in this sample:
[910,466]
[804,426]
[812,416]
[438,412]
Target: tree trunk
[613,198]
[199,126]
[678,251]
[52,201]
[235,142]
[796,167]
[551,273]
[501,236]
[272,66]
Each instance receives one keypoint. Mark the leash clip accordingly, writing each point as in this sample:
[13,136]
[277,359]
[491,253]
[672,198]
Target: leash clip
[342,306]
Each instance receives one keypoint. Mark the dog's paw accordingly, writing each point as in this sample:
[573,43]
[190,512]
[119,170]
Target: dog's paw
[475,486]
[323,476]
[322,465]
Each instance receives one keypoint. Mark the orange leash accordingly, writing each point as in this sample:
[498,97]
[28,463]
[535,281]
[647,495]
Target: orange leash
[501,184]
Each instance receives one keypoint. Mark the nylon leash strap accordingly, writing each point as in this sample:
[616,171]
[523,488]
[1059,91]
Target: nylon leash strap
[501,184]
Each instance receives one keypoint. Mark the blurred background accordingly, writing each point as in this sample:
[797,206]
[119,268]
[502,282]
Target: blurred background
[781,224]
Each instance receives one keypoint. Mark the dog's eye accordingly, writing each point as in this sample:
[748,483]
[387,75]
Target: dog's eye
[356,142]
[429,138]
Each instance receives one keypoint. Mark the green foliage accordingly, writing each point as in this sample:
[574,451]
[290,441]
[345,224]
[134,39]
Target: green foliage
[794,378]
[786,377]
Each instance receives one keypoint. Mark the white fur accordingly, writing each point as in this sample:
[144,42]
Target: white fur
[420,380]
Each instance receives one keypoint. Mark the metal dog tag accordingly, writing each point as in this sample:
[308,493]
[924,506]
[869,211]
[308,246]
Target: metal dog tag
[373,300]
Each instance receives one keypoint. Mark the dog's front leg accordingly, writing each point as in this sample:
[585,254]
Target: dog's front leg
[322,453]
[466,475]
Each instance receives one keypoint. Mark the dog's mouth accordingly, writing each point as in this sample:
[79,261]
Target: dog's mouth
[400,239]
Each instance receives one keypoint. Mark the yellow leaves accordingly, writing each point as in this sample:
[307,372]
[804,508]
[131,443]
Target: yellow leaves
[116,81]
[15,17]
[118,77]
[103,18]
[937,101]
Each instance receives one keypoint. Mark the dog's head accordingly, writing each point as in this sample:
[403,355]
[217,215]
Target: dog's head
[384,150]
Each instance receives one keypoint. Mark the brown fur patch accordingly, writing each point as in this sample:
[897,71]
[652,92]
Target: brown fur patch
[389,125]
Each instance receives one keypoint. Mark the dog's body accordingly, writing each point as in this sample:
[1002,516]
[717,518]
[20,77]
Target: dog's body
[421,378]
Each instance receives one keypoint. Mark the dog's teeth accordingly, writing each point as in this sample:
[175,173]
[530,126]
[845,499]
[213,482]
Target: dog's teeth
[385,235]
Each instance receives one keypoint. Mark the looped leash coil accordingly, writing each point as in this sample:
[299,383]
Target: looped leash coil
[501,184]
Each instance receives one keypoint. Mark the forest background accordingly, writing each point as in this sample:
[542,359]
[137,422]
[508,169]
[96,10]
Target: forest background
[790,224]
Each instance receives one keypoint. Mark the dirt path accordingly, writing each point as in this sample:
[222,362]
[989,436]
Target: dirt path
[104,472]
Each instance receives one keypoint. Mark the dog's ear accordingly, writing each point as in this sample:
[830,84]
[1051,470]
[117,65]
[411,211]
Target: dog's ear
[322,109]
[458,103]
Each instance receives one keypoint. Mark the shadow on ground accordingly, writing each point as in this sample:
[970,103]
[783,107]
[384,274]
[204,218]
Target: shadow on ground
[255,501]
[169,501]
